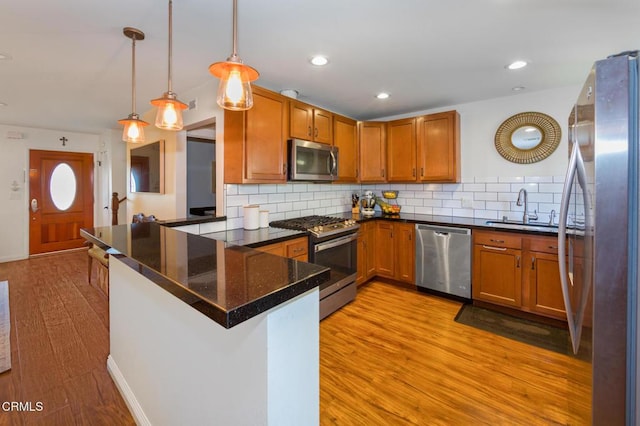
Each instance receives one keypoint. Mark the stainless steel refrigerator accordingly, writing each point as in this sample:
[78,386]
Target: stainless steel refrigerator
[598,235]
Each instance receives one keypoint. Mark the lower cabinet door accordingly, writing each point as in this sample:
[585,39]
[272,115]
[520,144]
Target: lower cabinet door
[497,275]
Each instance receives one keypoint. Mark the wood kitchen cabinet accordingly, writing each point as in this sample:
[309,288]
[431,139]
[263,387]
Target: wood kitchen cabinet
[401,150]
[519,271]
[310,123]
[372,143]
[545,290]
[345,138]
[255,140]
[438,147]
[395,250]
[497,268]
[366,252]
[297,248]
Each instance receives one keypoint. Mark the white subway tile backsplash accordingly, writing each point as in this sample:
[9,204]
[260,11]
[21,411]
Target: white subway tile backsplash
[285,207]
[453,204]
[485,196]
[540,197]
[248,189]
[432,187]
[432,203]
[424,210]
[452,187]
[440,211]
[488,198]
[530,187]
[276,198]
[475,187]
[443,195]
[485,214]
[551,187]
[292,196]
[237,200]
[498,187]
[258,199]
[462,212]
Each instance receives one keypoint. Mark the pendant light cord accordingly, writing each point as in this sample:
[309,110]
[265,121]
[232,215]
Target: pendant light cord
[170,42]
[235,29]
[133,74]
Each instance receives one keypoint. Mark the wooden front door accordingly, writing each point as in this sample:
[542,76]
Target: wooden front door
[61,199]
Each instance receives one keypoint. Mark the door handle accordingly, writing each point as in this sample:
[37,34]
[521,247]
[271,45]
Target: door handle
[34,205]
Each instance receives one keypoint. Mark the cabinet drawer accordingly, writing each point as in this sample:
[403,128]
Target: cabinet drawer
[544,245]
[497,239]
[296,248]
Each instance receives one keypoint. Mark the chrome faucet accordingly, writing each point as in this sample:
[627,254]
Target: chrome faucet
[522,199]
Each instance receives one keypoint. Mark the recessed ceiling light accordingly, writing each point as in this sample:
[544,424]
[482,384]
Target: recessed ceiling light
[516,65]
[319,60]
[382,95]
[518,88]
[4,56]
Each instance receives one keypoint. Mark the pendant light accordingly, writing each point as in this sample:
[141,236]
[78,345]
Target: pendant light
[133,126]
[169,115]
[234,91]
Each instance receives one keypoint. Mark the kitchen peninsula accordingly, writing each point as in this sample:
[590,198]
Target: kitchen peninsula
[205,332]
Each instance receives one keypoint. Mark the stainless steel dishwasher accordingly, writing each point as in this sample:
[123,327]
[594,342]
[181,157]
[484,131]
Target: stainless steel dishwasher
[443,259]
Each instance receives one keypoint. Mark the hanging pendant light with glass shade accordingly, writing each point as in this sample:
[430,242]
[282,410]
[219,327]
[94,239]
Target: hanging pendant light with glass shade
[133,126]
[169,115]
[234,91]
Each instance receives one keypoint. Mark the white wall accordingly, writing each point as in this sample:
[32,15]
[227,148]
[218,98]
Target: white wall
[14,167]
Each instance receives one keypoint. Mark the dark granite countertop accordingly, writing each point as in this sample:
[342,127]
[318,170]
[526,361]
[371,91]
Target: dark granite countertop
[255,238]
[467,222]
[228,283]
[192,220]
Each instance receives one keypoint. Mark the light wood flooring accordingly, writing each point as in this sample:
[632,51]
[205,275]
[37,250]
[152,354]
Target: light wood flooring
[394,356]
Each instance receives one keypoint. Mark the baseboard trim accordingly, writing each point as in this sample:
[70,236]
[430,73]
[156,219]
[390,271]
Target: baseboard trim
[127,394]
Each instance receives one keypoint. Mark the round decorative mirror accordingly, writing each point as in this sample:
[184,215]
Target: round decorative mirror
[527,137]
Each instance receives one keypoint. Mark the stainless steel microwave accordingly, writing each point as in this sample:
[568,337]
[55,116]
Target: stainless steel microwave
[312,161]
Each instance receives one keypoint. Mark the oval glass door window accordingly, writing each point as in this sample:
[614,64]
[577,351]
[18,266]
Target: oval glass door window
[62,186]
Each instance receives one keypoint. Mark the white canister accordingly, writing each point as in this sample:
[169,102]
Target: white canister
[264,218]
[251,216]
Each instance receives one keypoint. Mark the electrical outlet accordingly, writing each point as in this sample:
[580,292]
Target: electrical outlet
[467,203]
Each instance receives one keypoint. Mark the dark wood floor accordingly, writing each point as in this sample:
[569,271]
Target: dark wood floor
[393,356]
[59,345]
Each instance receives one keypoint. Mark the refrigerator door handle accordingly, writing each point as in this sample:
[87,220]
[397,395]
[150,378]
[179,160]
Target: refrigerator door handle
[562,254]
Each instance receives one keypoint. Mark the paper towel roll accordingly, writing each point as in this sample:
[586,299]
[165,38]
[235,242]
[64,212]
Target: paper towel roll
[251,216]
[264,218]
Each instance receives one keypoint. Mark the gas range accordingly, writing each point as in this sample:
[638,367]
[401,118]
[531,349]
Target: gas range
[318,226]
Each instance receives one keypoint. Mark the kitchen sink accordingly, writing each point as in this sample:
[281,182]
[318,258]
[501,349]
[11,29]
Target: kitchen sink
[517,224]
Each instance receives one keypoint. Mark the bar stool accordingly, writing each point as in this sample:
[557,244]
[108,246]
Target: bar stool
[102,257]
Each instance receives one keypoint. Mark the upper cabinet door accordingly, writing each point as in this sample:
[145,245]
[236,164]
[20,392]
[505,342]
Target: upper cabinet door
[310,123]
[439,147]
[322,126]
[301,120]
[345,138]
[401,150]
[372,151]
[255,140]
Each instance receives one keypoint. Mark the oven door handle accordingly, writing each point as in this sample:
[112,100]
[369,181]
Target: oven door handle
[335,243]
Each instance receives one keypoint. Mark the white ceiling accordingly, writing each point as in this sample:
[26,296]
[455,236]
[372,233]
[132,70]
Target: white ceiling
[71,65]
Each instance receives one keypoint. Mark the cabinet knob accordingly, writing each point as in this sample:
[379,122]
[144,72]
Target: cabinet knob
[517,261]
[309,131]
[533,263]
